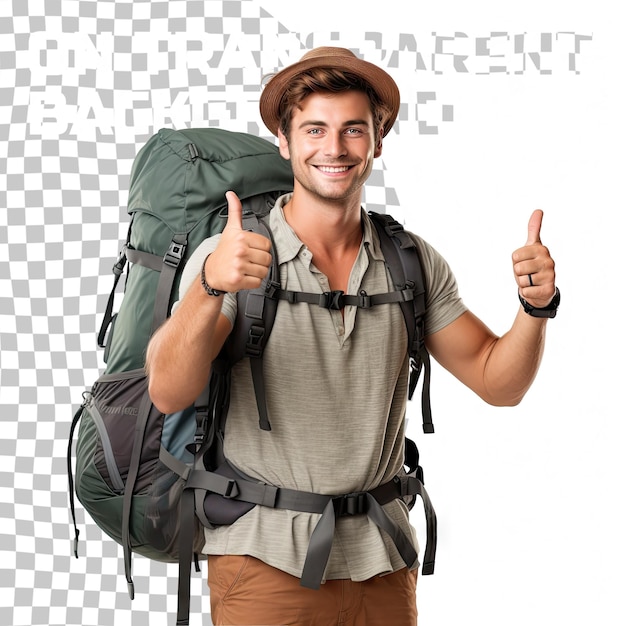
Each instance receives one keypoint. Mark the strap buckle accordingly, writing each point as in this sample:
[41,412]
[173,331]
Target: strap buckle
[254,342]
[174,254]
[333,300]
[365,301]
[351,504]
[120,263]
[271,288]
[232,490]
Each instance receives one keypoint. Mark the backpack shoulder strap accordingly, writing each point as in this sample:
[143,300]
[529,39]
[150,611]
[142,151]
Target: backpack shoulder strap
[403,261]
[256,311]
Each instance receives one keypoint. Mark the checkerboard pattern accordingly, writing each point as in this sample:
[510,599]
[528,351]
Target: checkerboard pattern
[83,84]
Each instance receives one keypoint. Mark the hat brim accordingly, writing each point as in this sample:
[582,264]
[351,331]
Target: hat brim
[381,82]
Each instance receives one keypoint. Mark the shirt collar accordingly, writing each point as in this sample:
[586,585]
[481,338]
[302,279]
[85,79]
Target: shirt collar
[289,246]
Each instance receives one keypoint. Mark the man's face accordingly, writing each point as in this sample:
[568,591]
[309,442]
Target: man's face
[332,145]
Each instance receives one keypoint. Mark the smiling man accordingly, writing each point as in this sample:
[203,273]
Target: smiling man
[336,379]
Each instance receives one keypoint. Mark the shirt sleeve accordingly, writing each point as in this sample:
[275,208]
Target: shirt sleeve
[443,301]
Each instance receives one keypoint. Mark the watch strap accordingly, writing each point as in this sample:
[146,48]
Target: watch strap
[545,312]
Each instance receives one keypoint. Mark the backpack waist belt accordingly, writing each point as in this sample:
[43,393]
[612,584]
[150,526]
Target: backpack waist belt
[330,507]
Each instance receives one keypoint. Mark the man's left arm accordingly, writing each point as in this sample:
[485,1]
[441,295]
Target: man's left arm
[501,369]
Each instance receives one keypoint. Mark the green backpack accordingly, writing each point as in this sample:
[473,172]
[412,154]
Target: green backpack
[153,482]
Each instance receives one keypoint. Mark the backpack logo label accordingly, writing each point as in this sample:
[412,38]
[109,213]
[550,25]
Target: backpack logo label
[120,410]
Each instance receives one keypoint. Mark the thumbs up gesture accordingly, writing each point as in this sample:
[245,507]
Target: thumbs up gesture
[242,258]
[534,267]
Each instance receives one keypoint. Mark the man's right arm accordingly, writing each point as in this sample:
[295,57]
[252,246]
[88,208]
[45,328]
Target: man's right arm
[179,355]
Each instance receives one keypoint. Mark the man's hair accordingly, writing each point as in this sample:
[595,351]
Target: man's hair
[328,80]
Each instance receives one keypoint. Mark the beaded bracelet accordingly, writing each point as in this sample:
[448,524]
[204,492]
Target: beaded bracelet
[208,289]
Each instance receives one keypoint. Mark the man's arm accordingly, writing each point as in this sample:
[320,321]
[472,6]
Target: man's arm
[501,369]
[179,355]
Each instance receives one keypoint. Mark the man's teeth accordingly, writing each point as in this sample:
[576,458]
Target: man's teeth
[332,170]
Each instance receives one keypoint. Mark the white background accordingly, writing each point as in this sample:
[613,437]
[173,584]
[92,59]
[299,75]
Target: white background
[529,499]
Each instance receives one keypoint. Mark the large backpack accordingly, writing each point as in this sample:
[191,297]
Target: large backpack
[153,482]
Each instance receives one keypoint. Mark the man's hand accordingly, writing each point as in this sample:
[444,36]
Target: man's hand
[534,267]
[242,258]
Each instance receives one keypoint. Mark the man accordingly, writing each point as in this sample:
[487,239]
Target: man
[336,380]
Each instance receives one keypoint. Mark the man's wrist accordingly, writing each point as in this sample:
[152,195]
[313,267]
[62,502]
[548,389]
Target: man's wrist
[210,291]
[543,312]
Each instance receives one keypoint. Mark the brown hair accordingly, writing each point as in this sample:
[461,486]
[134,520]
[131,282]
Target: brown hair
[328,80]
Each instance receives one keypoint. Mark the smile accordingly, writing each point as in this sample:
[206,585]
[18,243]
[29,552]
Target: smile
[333,170]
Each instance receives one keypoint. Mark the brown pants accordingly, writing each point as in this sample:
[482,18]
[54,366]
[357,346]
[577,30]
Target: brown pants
[246,591]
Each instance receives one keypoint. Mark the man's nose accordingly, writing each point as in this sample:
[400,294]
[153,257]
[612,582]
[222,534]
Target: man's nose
[335,145]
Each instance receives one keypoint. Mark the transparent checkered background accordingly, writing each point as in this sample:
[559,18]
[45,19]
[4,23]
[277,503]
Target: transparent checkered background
[63,189]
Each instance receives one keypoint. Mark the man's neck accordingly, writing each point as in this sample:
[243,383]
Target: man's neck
[332,232]
[330,227]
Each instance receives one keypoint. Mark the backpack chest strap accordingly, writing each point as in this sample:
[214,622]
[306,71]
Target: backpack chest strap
[336,300]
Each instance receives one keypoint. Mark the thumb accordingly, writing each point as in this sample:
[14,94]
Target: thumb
[235,219]
[534,227]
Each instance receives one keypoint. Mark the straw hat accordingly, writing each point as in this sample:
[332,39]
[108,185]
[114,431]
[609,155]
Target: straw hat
[334,58]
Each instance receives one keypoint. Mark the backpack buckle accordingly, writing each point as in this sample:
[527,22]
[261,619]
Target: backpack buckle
[118,267]
[408,291]
[271,288]
[351,504]
[365,301]
[254,344]
[232,490]
[332,300]
[174,254]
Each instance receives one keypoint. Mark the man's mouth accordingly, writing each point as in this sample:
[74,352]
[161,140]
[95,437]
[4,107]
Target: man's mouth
[329,169]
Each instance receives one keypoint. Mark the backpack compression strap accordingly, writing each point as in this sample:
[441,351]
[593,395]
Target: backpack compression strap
[167,266]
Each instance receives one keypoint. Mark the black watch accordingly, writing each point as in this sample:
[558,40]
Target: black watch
[547,311]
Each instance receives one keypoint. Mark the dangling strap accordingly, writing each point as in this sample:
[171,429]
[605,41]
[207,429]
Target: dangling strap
[428,566]
[191,504]
[187,529]
[321,540]
[70,471]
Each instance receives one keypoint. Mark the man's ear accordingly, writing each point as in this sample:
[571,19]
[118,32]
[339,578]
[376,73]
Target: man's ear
[378,150]
[283,145]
